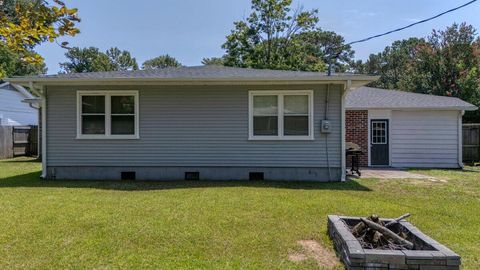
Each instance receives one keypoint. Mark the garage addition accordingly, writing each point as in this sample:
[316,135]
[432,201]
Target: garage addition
[403,129]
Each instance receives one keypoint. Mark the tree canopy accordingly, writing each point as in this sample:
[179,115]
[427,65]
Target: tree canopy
[162,61]
[446,63]
[11,64]
[276,37]
[26,24]
[91,59]
[213,61]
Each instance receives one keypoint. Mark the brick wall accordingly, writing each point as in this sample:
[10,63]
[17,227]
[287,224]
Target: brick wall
[356,131]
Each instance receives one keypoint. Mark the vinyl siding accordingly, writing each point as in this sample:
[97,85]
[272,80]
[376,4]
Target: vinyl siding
[425,139]
[14,112]
[190,126]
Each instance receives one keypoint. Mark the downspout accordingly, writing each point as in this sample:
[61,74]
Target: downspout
[44,133]
[460,139]
[43,107]
[348,86]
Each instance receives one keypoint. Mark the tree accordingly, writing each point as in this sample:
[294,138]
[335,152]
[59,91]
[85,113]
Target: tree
[12,65]
[26,24]
[276,37]
[446,63]
[329,48]
[163,61]
[92,59]
[392,63]
[86,60]
[121,60]
[213,61]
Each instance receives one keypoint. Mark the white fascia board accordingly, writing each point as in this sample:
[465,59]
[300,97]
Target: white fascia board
[357,81]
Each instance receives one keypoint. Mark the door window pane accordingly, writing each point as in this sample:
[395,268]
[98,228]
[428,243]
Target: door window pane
[123,105]
[379,132]
[265,125]
[93,104]
[93,124]
[123,125]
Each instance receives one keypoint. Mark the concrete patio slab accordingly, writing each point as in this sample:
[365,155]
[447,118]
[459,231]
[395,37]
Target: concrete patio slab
[393,173]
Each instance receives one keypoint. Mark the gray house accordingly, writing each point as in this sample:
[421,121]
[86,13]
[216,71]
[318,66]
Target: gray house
[208,122]
[402,129]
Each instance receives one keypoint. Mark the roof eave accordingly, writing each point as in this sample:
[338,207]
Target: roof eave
[356,80]
[441,108]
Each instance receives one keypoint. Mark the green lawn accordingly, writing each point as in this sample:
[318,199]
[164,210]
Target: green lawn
[212,225]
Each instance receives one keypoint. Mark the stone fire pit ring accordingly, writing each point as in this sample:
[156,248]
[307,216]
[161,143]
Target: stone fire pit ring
[427,254]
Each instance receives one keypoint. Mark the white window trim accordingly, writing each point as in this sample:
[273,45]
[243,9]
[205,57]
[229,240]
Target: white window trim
[281,94]
[108,94]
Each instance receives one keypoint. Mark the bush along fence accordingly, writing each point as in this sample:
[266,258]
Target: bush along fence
[471,143]
[18,141]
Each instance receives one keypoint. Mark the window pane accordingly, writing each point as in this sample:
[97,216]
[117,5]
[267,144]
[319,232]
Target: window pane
[93,124]
[93,104]
[296,104]
[123,125]
[265,105]
[265,125]
[296,125]
[123,105]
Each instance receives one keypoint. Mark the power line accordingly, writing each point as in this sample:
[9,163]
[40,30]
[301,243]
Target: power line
[413,24]
[398,30]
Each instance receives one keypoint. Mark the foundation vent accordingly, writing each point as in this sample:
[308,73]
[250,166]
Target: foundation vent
[256,176]
[192,176]
[128,175]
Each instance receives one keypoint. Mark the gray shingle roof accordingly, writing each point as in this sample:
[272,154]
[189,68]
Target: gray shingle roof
[375,98]
[197,72]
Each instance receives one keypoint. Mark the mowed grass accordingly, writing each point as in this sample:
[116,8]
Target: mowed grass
[212,225]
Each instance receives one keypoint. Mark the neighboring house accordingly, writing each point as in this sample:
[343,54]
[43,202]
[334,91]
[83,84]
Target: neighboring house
[403,129]
[208,122]
[13,110]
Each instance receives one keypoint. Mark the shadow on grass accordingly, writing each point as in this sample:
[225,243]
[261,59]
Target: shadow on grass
[22,160]
[33,180]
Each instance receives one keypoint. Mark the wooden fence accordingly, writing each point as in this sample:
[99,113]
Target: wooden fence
[471,143]
[18,141]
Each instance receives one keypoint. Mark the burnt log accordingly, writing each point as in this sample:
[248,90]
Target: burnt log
[396,220]
[387,233]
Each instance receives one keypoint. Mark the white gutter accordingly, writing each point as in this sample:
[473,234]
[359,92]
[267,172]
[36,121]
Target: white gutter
[356,80]
[347,89]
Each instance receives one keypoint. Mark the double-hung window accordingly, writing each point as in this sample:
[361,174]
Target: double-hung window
[281,115]
[107,115]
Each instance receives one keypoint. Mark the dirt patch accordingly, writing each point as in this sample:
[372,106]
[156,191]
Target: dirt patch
[312,249]
[297,257]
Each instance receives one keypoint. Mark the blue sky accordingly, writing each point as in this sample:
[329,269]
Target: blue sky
[192,29]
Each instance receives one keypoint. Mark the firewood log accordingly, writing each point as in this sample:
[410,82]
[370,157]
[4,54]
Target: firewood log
[359,229]
[395,221]
[387,233]
[377,237]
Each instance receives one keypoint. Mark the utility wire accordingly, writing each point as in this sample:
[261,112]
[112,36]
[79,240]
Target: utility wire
[393,31]
[413,24]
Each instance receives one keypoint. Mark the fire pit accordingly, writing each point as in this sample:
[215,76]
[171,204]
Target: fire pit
[425,254]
